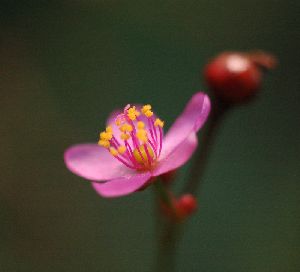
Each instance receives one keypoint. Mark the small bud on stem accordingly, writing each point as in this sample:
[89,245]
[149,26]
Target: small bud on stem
[182,207]
[236,76]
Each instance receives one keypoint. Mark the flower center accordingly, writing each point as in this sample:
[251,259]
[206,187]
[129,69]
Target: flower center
[143,154]
[137,143]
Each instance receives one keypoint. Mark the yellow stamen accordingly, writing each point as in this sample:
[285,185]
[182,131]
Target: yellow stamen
[141,134]
[118,121]
[148,113]
[132,113]
[104,143]
[125,136]
[140,125]
[122,149]
[146,108]
[109,129]
[105,136]
[126,128]
[159,123]
[113,151]
[144,158]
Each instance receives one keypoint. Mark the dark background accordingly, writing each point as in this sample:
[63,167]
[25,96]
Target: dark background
[64,65]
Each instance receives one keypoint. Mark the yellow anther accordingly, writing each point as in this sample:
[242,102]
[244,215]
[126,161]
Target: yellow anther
[104,143]
[126,128]
[148,113]
[109,129]
[132,113]
[125,136]
[144,158]
[113,151]
[118,121]
[105,136]
[140,125]
[159,123]
[122,149]
[141,134]
[131,116]
[146,108]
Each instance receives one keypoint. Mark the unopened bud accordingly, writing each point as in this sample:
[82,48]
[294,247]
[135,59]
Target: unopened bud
[236,76]
[180,208]
[186,205]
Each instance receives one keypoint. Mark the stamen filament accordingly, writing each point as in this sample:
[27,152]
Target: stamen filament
[124,162]
[151,131]
[151,124]
[154,148]
[130,154]
[148,155]
[135,140]
[160,140]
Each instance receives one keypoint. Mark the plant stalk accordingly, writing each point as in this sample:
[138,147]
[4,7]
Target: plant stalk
[168,231]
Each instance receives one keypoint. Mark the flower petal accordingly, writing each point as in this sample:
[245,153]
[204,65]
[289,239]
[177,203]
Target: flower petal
[190,121]
[179,155]
[94,162]
[121,186]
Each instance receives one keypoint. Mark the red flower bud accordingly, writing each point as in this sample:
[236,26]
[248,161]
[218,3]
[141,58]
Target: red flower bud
[235,76]
[181,208]
[186,205]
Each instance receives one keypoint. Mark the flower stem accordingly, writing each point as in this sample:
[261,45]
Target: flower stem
[166,231]
[201,158]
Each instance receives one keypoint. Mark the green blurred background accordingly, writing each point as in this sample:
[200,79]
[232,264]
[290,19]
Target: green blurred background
[66,64]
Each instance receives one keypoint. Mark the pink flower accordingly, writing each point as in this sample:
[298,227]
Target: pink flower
[133,149]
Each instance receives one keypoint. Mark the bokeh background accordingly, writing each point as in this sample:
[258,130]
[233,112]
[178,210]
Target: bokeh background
[64,65]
